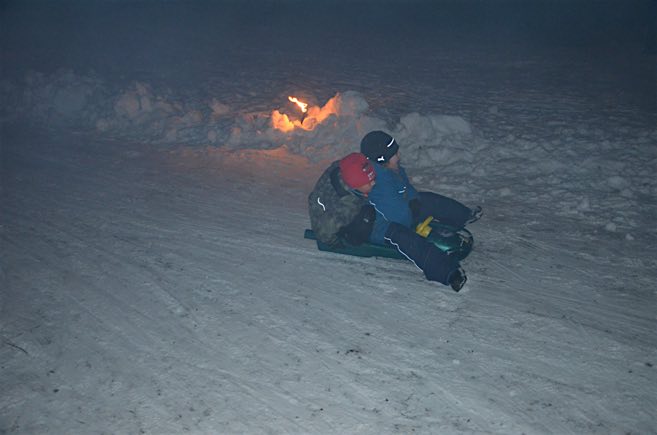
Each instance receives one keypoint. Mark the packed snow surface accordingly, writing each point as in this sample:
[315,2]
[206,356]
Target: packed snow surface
[154,276]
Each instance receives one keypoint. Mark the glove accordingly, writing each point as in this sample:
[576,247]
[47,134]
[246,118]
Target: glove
[358,230]
[414,205]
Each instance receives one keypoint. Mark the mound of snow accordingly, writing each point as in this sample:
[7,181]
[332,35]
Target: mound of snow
[140,112]
[62,98]
[430,140]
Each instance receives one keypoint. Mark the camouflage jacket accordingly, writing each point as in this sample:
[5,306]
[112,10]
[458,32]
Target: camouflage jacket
[332,205]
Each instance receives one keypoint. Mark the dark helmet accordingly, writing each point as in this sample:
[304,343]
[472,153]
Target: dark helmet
[379,146]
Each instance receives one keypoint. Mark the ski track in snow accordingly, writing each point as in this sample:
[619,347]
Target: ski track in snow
[148,296]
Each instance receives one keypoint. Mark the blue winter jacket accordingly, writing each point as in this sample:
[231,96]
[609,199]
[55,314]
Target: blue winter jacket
[390,197]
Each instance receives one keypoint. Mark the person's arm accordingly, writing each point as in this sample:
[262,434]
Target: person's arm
[411,192]
[358,230]
[412,195]
[389,202]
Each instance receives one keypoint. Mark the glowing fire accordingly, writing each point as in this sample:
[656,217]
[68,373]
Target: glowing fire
[303,106]
[312,116]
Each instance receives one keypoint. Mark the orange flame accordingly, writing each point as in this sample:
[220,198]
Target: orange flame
[313,115]
[303,106]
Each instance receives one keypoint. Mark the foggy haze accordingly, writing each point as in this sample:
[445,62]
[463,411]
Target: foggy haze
[154,277]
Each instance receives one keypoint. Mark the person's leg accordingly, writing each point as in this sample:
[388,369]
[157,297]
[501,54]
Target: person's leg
[436,265]
[446,210]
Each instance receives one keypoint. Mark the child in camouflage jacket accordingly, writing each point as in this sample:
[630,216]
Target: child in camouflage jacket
[339,211]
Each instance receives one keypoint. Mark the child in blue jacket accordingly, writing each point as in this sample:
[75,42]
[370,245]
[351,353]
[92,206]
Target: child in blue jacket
[396,200]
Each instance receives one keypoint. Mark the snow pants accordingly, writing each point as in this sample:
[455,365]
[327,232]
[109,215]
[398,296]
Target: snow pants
[445,210]
[436,265]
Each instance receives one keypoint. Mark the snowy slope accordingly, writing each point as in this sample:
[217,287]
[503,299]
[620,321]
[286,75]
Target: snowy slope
[155,278]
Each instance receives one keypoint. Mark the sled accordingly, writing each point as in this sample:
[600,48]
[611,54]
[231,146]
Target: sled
[453,241]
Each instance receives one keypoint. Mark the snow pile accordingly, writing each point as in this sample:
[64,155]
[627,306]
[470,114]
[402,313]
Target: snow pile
[142,112]
[63,98]
[147,115]
[437,139]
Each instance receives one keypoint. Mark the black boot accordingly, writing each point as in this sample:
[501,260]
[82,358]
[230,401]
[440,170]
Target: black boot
[457,279]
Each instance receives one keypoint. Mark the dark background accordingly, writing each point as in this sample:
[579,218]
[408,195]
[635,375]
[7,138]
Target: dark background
[103,35]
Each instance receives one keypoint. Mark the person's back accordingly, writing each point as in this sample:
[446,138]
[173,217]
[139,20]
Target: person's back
[390,197]
[337,206]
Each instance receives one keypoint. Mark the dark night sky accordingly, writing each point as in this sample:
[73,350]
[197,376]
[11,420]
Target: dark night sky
[101,34]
